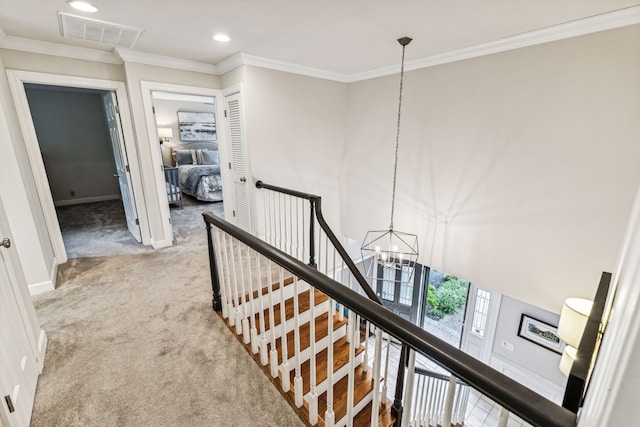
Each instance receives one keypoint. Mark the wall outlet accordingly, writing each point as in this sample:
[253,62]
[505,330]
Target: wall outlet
[508,346]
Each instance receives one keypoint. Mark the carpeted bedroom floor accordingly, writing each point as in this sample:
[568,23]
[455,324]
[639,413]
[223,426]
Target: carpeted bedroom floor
[132,337]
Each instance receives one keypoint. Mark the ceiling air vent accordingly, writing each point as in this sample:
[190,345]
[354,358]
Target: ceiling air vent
[78,27]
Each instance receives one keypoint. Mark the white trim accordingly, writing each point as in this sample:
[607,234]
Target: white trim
[540,385]
[17,79]
[240,59]
[622,334]
[593,24]
[42,349]
[41,288]
[580,27]
[138,57]
[147,87]
[48,285]
[83,200]
[59,49]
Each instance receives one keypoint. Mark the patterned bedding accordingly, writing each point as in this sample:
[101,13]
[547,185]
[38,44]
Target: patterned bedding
[201,181]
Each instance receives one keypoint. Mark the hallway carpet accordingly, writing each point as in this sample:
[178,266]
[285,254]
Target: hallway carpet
[133,340]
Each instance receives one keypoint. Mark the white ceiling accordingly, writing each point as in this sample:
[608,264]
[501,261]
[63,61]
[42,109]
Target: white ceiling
[338,36]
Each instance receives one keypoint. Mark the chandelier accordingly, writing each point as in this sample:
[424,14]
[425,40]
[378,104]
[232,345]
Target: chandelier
[391,255]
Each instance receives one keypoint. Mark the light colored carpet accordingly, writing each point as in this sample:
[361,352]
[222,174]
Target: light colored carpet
[133,340]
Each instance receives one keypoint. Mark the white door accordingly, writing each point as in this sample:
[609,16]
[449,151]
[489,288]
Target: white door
[112,112]
[241,211]
[481,317]
[18,368]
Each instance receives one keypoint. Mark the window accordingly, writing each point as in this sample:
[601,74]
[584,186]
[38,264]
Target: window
[480,312]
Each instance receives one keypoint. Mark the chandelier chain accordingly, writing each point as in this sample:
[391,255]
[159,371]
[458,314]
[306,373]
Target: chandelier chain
[395,166]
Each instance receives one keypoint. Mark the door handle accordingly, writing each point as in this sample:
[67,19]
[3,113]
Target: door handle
[6,243]
[116,175]
[243,179]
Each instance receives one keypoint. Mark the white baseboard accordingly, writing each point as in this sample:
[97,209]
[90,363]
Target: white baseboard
[42,349]
[528,379]
[42,287]
[47,285]
[161,244]
[82,200]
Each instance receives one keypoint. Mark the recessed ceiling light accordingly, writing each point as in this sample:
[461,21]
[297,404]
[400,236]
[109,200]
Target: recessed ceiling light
[83,6]
[221,38]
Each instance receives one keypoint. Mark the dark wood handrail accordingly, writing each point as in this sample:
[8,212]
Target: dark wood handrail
[508,393]
[317,203]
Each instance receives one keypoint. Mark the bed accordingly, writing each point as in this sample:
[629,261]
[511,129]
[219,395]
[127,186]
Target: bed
[198,169]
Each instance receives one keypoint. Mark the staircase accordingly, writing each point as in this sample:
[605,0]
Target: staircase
[288,362]
[317,330]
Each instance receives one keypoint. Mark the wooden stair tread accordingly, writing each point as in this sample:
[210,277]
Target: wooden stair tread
[303,305]
[385,419]
[362,384]
[321,331]
[340,358]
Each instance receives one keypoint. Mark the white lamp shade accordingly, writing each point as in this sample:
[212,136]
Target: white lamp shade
[165,132]
[573,319]
[568,357]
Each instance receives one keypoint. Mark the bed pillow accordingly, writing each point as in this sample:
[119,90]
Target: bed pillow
[183,157]
[209,157]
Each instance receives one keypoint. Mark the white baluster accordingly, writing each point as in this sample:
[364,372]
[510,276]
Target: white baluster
[273,353]
[433,400]
[420,395]
[351,377]
[313,394]
[254,330]
[236,293]
[245,318]
[297,380]
[408,398]
[329,415]
[221,273]
[286,383]
[504,417]
[366,346]
[441,396]
[386,370]
[230,306]
[264,356]
[290,227]
[448,402]
[377,362]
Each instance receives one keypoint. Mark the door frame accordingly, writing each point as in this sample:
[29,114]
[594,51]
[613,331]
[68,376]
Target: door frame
[147,88]
[17,80]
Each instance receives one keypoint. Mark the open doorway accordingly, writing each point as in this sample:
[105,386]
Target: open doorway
[17,81]
[80,139]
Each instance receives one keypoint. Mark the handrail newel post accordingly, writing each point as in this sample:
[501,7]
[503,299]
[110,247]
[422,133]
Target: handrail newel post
[216,301]
[396,408]
[312,245]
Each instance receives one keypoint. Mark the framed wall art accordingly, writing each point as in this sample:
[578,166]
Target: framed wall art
[539,332]
[197,126]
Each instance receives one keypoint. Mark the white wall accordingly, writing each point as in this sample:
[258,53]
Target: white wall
[152,173]
[517,169]
[167,117]
[536,367]
[74,142]
[20,196]
[296,129]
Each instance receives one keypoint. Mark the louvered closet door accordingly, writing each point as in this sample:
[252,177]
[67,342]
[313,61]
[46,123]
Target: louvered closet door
[239,166]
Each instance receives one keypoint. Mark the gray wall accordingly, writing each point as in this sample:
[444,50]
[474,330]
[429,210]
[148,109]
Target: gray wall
[527,355]
[75,145]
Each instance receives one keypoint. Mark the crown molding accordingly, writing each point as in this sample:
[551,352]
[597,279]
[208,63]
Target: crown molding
[57,49]
[272,64]
[593,24]
[580,27]
[127,55]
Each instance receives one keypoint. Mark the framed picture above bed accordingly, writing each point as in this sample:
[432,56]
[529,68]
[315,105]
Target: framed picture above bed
[197,126]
